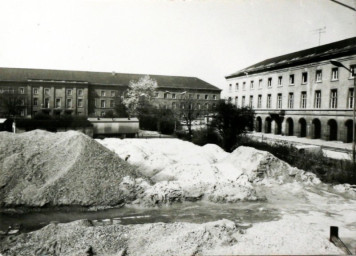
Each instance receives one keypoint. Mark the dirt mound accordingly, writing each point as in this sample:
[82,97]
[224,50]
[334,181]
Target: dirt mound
[67,168]
[223,237]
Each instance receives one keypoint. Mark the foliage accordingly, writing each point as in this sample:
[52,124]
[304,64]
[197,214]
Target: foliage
[230,122]
[120,108]
[205,136]
[12,102]
[49,123]
[139,94]
[328,170]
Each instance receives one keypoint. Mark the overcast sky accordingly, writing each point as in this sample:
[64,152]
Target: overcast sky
[206,39]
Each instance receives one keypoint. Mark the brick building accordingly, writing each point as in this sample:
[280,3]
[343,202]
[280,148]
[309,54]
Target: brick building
[82,93]
[300,93]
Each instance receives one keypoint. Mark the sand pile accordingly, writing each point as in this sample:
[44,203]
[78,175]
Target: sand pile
[41,168]
[224,237]
[183,171]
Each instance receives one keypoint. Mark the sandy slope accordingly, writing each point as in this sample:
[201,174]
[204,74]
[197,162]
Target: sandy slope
[69,168]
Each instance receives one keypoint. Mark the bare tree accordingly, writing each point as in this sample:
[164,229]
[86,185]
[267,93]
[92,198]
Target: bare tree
[11,103]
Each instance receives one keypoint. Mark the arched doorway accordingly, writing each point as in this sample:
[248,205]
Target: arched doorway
[258,124]
[278,129]
[316,129]
[349,134]
[268,125]
[302,127]
[332,129]
[290,127]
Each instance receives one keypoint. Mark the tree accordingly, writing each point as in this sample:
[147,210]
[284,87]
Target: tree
[11,103]
[188,110]
[230,122]
[139,95]
[120,108]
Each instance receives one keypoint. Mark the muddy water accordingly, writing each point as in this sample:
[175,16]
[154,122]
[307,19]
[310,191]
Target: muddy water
[319,206]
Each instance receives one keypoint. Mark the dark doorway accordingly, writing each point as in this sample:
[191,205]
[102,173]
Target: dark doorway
[290,130]
[349,134]
[303,127]
[258,124]
[317,129]
[332,129]
[268,125]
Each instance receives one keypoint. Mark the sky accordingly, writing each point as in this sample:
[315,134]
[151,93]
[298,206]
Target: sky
[208,39]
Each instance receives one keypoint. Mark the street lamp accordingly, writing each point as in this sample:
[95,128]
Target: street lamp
[340,65]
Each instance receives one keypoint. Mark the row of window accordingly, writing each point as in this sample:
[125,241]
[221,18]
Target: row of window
[47,91]
[58,103]
[318,79]
[303,100]
[190,106]
[191,96]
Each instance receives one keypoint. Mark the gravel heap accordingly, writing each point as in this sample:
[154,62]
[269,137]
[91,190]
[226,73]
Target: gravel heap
[40,168]
[223,237]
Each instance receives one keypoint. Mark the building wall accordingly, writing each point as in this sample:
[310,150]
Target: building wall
[280,113]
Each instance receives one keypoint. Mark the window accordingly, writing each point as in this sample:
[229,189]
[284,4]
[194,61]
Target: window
[269,99]
[22,112]
[58,103]
[103,94]
[112,103]
[22,102]
[244,86]
[350,98]
[206,96]
[206,106]
[335,74]
[230,87]
[317,100]
[251,85]
[102,113]
[173,95]
[46,103]
[190,96]
[291,79]
[229,99]
[69,92]
[156,94]
[46,91]
[260,84]
[191,106]
[22,90]
[303,102]
[198,106]
[259,101]
[35,90]
[279,100]
[80,103]
[112,93]
[291,100]
[280,80]
[69,103]
[236,101]
[165,95]
[198,96]
[80,92]
[214,97]
[103,103]
[243,101]
[182,106]
[251,102]
[318,76]
[237,87]
[352,68]
[304,77]
[269,83]
[214,106]
[333,98]
[35,101]
[174,105]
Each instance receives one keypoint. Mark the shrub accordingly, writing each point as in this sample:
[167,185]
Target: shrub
[328,170]
[206,136]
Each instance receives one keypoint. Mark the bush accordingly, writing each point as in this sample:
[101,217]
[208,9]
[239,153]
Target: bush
[166,126]
[328,170]
[206,136]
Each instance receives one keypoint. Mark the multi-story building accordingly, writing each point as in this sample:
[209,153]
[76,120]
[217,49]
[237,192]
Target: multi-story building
[59,92]
[300,93]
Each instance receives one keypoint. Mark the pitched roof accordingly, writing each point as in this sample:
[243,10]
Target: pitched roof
[323,52]
[101,78]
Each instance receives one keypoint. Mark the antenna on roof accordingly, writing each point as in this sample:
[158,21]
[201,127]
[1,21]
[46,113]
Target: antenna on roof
[319,31]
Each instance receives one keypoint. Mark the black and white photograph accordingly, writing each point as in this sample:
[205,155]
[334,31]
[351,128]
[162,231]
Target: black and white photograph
[177,127]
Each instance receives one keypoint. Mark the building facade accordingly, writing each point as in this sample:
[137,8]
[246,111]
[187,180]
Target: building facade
[81,93]
[300,94]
